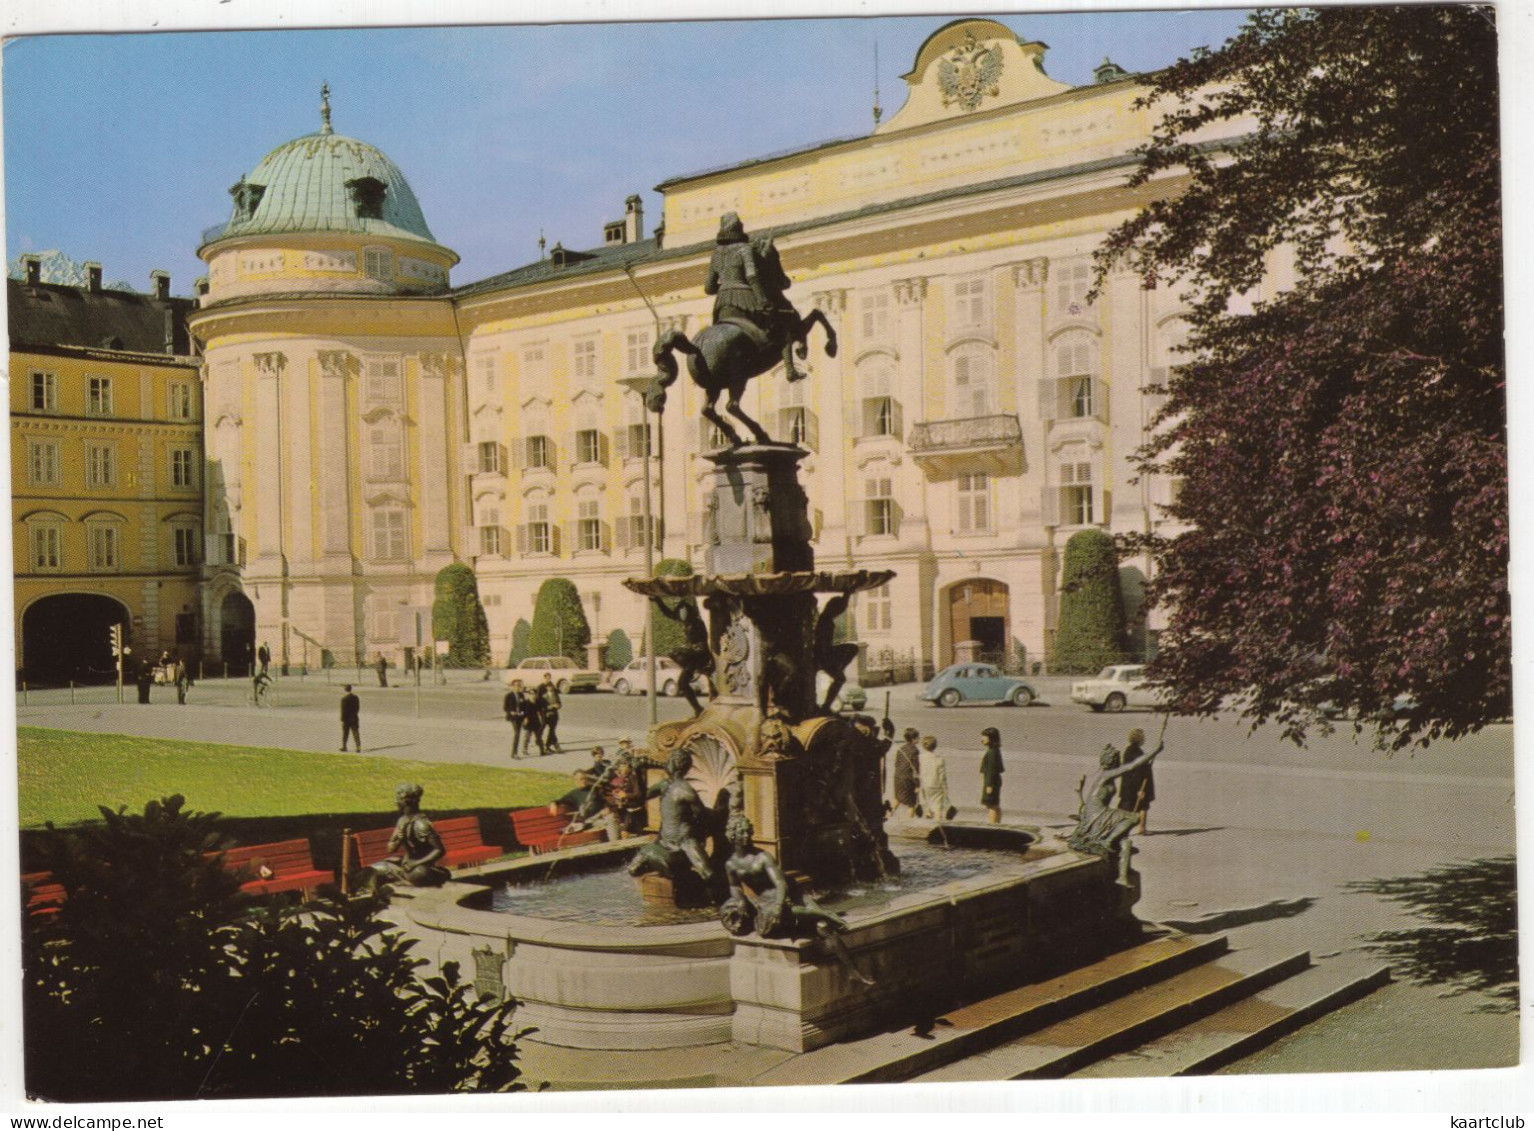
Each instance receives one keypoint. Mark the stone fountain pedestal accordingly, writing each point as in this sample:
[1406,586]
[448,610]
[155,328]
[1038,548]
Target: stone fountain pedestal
[812,783]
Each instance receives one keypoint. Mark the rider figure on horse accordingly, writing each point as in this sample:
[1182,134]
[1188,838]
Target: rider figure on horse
[748,281]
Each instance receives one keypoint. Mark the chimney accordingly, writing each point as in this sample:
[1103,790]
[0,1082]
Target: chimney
[159,284]
[93,277]
[200,286]
[633,219]
[32,265]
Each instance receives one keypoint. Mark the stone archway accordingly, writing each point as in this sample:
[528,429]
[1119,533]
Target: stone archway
[237,632]
[980,609]
[67,636]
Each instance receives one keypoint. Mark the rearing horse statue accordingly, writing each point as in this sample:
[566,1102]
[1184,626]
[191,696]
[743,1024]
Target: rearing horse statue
[754,328]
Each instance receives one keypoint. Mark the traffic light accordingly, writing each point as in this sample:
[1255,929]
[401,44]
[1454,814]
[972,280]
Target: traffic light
[117,640]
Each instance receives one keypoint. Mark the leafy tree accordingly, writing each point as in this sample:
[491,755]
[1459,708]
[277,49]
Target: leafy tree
[458,617]
[521,642]
[668,634]
[559,622]
[1342,446]
[1091,631]
[620,650]
[157,979]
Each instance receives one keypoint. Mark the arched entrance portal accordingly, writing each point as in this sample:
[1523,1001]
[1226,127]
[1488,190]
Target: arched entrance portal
[67,636]
[237,633]
[979,609]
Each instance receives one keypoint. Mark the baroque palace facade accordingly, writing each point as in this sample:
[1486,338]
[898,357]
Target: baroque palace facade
[366,423]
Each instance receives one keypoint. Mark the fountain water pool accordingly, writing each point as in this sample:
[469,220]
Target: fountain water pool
[595,978]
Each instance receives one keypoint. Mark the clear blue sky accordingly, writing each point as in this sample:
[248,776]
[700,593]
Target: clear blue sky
[121,148]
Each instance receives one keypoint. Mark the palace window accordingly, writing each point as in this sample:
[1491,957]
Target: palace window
[378,263]
[973,394]
[490,532]
[1074,391]
[1072,282]
[180,398]
[382,380]
[881,411]
[638,359]
[100,465]
[1076,490]
[875,311]
[98,396]
[389,539]
[632,526]
[45,392]
[539,452]
[386,452]
[184,545]
[102,544]
[588,526]
[43,463]
[589,446]
[970,304]
[537,532]
[585,357]
[46,539]
[484,367]
[878,608]
[491,461]
[182,469]
[880,514]
[974,503]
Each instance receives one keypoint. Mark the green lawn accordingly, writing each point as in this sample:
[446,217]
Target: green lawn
[65,775]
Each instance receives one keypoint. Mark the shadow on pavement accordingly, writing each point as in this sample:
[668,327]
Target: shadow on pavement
[1470,939]
[1184,832]
[1241,916]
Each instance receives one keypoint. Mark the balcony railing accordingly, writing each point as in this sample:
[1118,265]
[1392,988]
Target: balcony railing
[997,441]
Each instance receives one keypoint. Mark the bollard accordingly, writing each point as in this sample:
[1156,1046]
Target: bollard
[71,693]
[23,693]
[226,669]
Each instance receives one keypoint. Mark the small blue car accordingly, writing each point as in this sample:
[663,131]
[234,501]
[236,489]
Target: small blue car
[985,683]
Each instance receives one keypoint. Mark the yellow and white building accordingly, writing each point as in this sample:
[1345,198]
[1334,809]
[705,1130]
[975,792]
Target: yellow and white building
[368,423]
[106,472]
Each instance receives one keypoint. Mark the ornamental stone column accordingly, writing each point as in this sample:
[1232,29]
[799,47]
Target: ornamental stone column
[829,485]
[335,471]
[914,385]
[267,489]
[431,470]
[1036,394]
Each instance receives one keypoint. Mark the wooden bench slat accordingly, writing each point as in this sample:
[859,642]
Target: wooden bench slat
[538,830]
[291,862]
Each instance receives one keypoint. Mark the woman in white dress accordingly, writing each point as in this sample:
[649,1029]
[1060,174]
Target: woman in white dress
[934,782]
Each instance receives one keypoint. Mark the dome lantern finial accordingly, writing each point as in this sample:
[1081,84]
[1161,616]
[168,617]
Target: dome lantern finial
[325,108]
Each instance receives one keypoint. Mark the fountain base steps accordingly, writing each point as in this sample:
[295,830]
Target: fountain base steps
[1172,1005]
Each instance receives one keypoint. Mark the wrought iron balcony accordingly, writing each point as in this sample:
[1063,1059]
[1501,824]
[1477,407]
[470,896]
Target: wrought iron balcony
[997,438]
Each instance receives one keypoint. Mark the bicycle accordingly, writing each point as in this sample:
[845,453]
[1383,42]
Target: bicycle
[261,691]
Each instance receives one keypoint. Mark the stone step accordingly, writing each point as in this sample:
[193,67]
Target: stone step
[890,1056]
[1145,1014]
[1243,1028]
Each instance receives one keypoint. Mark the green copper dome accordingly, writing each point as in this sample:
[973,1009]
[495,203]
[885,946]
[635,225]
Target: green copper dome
[323,182]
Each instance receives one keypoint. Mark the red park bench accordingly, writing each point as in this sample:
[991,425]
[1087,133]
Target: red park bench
[40,893]
[539,831]
[460,836]
[289,862]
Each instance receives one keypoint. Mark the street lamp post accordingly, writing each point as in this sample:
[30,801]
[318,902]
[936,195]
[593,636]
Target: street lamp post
[638,386]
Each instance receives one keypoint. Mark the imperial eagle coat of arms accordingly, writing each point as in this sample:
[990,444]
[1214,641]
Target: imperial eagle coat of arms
[969,74]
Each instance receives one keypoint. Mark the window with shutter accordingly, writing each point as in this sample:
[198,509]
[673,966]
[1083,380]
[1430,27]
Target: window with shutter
[381,380]
[875,311]
[974,499]
[1072,282]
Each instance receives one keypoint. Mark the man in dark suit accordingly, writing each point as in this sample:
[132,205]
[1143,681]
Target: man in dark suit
[351,718]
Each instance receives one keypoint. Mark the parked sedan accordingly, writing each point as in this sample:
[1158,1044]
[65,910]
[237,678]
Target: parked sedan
[984,683]
[632,678]
[568,675]
[1116,687]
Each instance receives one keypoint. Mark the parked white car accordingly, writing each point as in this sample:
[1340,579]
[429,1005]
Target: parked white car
[1116,687]
[568,675]
[632,678]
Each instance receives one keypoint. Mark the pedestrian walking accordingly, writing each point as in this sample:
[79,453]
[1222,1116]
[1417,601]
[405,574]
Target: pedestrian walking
[1137,785]
[516,714]
[934,783]
[907,772]
[351,718]
[551,707]
[991,769]
[383,670]
[264,657]
[532,721]
[183,681]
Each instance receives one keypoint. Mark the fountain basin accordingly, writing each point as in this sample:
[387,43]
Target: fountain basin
[653,985]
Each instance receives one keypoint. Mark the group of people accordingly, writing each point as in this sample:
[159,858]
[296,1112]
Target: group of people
[609,794]
[534,717]
[920,780]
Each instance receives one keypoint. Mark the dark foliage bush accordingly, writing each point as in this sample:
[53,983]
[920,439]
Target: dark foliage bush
[458,618]
[559,622]
[1091,631]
